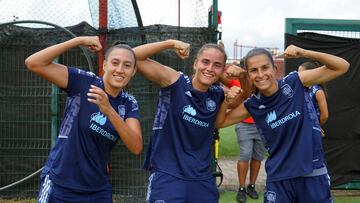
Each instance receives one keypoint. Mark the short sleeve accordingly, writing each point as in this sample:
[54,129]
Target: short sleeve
[79,80]
[132,108]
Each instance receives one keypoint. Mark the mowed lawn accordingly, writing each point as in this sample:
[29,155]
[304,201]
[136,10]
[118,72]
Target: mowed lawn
[228,145]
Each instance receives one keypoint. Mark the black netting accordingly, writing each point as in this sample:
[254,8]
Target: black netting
[342,140]
[26,111]
[120,14]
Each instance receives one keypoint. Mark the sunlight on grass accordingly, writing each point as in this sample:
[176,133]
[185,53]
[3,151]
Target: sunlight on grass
[228,143]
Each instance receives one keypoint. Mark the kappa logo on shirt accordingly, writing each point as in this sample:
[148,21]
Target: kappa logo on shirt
[262,107]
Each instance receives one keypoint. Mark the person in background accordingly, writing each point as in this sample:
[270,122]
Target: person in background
[284,114]
[317,94]
[251,146]
[179,152]
[98,114]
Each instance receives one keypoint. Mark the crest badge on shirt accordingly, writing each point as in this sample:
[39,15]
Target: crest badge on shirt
[121,111]
[287,91]
[210,104]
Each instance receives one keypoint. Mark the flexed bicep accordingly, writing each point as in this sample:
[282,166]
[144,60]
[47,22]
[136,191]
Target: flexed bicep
[156,72]
[333,67]
[226,118]
[44,63]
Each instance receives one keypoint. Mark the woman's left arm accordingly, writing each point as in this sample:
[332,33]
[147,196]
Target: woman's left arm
[333,67]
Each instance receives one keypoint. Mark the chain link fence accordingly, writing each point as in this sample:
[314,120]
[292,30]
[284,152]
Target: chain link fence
[121,14]
[27,110]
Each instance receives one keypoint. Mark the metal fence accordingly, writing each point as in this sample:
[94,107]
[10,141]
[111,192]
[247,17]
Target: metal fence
[29,105]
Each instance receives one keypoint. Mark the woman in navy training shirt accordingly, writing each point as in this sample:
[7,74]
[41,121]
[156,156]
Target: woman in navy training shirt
[179,152]
[98,114]
[284,113]
[317,95]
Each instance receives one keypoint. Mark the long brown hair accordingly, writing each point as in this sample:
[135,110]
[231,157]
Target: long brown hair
[246,86]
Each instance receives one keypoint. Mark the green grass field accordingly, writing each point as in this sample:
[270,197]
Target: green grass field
[228,144]
[230,197]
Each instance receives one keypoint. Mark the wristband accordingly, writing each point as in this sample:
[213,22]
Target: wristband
[233,83]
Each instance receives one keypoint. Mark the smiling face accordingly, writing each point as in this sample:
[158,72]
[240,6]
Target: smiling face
[119,68]
[208,66]
[262,74]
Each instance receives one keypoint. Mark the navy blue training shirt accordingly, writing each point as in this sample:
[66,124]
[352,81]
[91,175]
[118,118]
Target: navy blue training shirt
[183,130]
[289,126]
[80,156]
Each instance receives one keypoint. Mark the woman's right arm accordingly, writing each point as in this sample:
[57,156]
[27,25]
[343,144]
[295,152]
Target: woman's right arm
[154,71]
[226,118]
[42,63]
